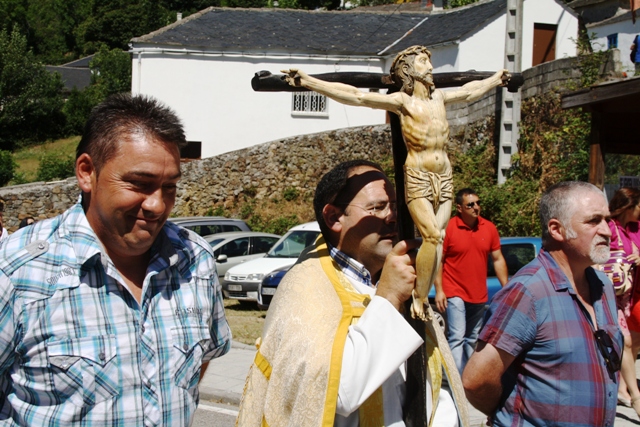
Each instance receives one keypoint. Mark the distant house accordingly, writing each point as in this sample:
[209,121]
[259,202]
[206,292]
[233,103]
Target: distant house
[202,66]
[611,23]
[75,74]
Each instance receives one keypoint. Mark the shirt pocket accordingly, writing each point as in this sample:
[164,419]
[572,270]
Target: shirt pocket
[189,346]
[83,370]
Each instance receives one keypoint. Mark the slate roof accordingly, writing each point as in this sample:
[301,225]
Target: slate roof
[320,32]
[71,76]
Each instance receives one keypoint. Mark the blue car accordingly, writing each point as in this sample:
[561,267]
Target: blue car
[268,286]
[517,251]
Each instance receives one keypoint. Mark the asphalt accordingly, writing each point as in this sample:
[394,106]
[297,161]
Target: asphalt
[225,377]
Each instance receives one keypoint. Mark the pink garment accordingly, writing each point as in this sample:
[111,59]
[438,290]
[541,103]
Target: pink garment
[628,313]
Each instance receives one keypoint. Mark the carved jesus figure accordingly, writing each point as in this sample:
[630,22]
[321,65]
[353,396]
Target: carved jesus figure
[423,118]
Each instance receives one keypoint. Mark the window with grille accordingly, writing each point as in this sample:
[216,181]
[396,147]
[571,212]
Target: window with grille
[612,41]
[309,103]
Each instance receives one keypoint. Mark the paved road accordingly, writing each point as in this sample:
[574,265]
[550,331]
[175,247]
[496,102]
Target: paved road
[224,382]
[215,414]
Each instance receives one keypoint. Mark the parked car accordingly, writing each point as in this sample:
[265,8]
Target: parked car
[241,282]
[235,247]
[267,288]
[206,225]
[517,252]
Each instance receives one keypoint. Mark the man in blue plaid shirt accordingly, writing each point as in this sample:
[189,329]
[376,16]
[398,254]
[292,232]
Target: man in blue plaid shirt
[108,313]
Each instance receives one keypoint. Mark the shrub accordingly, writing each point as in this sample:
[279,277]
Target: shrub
[290,194]
[7,167]
[54,166]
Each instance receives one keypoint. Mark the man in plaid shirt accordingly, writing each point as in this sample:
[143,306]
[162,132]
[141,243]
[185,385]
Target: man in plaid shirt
[550,350]
[108,313]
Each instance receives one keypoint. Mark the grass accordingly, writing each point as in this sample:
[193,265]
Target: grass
[28,158]
[245,320]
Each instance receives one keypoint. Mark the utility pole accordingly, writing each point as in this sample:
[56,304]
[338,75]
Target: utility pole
[510,108]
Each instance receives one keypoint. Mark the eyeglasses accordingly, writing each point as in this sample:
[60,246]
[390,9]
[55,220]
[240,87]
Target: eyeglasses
[605,345]
[379,210]
[470,205]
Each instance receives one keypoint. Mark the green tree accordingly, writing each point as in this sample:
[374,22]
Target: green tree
[55,166]
[30,101]
[115,23]
[111,71]
[77,109]
[7,167]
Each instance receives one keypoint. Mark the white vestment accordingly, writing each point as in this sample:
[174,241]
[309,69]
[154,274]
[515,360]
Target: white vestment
[376,349]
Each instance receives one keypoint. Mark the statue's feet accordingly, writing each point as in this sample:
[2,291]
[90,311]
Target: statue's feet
[418,308]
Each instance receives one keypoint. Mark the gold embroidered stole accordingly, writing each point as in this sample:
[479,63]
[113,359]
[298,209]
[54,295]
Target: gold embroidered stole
[371,412]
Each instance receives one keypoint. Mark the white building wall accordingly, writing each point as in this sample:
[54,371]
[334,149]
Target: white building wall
[548,12]
[626,32]
[484,49]
[444,58]
[213,96]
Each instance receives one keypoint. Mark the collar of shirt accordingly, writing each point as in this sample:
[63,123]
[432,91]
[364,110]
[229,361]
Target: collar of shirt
[350,267]
[460,223]
[89,250]
[560,281]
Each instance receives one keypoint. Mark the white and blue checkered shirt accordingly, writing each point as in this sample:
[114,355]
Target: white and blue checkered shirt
[350,267]
[76,348]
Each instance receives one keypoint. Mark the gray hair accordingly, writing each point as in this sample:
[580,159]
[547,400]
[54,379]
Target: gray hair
[559,202]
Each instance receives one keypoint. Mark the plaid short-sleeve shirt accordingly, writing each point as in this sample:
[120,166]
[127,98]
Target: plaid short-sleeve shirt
[76,348]
[559,376]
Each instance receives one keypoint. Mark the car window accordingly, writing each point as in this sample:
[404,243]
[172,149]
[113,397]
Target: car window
[262,244]
[227,227]
[237,247]
[205,230]
[517,256]
[293,244]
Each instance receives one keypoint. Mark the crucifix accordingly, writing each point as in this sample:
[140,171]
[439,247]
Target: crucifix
[420,132]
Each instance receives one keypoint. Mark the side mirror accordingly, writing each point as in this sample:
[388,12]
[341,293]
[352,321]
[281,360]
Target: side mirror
[221,258]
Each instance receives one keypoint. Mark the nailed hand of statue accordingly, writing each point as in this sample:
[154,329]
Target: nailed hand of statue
[293,76]
[506,76]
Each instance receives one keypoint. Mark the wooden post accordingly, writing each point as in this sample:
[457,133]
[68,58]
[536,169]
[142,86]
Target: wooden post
[415,404]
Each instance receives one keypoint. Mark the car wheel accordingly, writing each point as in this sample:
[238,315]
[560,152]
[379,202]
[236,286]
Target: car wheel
[440,319]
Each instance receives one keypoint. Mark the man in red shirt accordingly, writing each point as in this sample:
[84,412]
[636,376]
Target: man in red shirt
[461,282]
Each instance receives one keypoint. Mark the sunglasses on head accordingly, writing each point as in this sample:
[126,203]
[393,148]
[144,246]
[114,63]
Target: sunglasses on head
[472,204]
[610,355]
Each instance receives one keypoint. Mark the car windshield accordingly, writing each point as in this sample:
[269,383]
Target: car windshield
[215,242]
[517,256]
[292,244]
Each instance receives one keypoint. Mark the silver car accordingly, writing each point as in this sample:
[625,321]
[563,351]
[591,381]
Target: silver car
[205,225]
[236,247]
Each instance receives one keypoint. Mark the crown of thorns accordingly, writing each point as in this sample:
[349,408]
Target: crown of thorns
[410,51]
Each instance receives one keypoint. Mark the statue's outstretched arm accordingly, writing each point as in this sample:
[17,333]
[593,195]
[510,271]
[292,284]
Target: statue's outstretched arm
[474,90]
[343,93]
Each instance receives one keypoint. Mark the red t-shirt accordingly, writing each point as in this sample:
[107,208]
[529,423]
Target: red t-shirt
[464,256]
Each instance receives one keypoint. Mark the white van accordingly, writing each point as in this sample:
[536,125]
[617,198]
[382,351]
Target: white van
[241,282]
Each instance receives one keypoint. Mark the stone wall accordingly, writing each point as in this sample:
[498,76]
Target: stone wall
[269,169]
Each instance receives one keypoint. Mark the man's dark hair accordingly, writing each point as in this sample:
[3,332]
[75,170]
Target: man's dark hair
[331,188]
[464,192]
[122,115]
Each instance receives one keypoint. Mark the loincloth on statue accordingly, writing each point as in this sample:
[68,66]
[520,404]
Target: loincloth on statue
[428,185]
